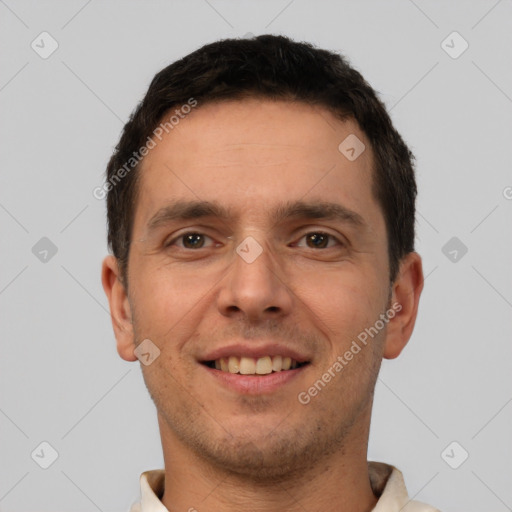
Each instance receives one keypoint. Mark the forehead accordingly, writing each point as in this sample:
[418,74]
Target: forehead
[252,154]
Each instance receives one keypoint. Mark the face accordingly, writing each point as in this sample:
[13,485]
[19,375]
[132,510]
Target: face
[258,246]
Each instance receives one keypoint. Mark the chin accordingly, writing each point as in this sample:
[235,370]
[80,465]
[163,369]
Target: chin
[279,455]
[259,461]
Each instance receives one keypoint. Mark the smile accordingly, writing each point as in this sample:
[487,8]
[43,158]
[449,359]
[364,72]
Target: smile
[254,366]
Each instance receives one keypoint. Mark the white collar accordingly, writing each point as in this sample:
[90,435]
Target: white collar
[387,483]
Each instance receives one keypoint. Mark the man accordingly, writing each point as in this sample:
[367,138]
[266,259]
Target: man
[261,217]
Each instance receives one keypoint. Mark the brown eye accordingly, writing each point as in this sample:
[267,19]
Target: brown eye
[190,240]
[317,240]
[193,240]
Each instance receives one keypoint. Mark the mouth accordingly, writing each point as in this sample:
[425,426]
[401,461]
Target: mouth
[253,366]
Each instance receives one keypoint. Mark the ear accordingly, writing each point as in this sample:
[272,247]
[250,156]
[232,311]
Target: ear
[405,297]
[120,311]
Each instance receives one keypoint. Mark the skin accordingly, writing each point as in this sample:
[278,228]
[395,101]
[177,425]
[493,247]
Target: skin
[268,452]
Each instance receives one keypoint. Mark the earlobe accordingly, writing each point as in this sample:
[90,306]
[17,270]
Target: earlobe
[120,311]
[405,298]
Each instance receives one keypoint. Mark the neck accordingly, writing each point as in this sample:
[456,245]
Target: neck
[338,482]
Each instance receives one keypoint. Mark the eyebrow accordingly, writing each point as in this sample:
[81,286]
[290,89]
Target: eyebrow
[191,210]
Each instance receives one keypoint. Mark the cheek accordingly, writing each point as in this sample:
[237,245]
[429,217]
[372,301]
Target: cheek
[168,301]
[344,300]
[343,306]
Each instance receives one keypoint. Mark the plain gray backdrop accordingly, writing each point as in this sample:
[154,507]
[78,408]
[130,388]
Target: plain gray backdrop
[447,397]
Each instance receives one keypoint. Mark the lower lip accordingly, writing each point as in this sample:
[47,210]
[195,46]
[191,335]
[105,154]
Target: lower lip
[255,384]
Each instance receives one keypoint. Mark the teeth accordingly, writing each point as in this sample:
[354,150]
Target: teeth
[277,363]
[252,366]
[247,366]
[233,364]
[264,365]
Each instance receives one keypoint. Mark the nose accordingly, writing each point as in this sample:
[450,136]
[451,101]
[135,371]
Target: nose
[254,288]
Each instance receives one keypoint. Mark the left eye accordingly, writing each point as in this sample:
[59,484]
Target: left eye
[190,241]
[319,240]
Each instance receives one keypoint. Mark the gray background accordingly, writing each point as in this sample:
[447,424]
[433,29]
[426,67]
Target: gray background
[61,379]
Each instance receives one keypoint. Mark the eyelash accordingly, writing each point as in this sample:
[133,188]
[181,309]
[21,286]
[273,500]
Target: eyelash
[180,237]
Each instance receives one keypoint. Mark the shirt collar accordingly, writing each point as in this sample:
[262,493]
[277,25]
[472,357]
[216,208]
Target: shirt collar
[387,484]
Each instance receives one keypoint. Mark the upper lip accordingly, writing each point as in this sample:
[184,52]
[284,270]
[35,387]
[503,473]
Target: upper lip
[256,351]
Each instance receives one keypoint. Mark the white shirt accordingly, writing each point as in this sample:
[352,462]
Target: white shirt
[387,484]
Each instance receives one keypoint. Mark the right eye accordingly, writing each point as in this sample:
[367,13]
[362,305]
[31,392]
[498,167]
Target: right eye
[190,240]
